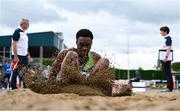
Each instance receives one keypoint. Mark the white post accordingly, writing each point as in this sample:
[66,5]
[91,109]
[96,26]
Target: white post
[41,55]
[174,81]
[4,54]
[62,45]
[10,53]
[128,72]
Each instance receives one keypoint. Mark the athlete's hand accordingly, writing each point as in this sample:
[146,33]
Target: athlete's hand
[16,59]
[165,60]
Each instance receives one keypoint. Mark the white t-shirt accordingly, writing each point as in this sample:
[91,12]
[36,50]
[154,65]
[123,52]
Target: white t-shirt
[166,42]
[22,42]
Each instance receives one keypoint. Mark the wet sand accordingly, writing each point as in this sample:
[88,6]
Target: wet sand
[25,99]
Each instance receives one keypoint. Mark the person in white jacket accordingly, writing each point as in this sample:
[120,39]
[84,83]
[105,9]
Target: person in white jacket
[20,48]
[166,64]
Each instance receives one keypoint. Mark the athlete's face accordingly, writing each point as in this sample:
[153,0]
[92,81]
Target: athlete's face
[83,45]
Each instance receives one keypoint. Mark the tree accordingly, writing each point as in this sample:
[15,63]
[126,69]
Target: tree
[140,69]
[176,66]
[158,65]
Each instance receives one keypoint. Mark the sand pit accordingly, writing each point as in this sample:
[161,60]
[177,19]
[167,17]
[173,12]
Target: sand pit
[82,94]
[25,99]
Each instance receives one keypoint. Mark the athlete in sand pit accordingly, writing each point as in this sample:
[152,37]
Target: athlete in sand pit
[86,61]
[79,66]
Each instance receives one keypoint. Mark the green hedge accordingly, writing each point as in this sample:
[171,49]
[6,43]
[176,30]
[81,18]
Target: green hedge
[47,62]
[176,66]
[145,74]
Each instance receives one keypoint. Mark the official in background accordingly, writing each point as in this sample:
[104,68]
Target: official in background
[166,62]
[19,49]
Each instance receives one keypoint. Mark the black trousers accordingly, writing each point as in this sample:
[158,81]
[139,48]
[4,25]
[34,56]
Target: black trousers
[166,67]
[23,61]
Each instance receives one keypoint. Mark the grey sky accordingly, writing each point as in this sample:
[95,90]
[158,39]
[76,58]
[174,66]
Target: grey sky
[12,12]
[154,11]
